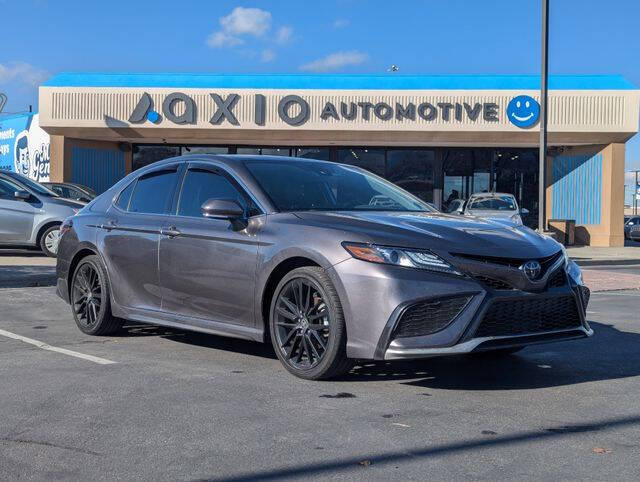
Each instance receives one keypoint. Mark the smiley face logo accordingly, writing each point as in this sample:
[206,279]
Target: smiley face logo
[523,111]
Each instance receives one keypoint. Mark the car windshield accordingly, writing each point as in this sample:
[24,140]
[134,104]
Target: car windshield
[34,186]
[325,186]
[498,203]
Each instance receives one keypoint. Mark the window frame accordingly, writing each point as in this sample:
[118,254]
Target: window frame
[176,167]
[217,170]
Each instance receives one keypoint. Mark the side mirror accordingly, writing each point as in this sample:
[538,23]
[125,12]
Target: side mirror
[221,209]
[23,195]
[524,211]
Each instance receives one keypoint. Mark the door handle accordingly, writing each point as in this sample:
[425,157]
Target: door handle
[109,225]
[170,232]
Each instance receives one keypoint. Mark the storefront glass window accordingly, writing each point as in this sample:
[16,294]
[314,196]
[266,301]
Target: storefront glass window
[204,150]
[249,151]
[412,170]
[320,153]
[275,151]
[369,159]
[145,155]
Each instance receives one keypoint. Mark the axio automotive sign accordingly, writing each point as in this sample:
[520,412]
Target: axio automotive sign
[180,108]
[24,147]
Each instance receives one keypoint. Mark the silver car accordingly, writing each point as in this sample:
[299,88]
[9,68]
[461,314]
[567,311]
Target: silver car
[31,214]
[496,206]
[328,262]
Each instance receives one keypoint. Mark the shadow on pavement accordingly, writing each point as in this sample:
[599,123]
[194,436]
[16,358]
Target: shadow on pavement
[426,452]
[203,340]
[610,354]
[27,276]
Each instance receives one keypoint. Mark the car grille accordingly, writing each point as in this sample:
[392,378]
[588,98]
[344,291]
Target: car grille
[524,316]
[427,317]
[493,283]
[545,262]
[557,279]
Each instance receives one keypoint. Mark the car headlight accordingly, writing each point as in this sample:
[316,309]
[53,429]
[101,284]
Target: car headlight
[409,258]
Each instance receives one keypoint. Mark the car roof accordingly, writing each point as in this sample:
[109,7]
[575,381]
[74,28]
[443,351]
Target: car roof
[490,194]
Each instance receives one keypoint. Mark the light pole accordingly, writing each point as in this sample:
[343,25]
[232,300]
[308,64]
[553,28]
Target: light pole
[544,77]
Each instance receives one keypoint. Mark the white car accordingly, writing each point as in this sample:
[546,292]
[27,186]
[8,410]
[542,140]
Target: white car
[496,206]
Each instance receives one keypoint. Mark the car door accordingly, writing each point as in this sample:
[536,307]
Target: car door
[129,237]
[16,215]
[208,266]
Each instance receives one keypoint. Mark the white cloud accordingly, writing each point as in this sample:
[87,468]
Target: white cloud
[267,55]
[284,34]
[240,22]
[22,73]
[336,61]
[340,23]
[221,39]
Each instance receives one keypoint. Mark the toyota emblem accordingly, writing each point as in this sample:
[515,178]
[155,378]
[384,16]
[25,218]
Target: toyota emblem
[531,269]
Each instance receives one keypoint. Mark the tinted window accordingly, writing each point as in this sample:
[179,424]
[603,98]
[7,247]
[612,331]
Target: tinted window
[200,185]
[317,185]
[153,193]
[8,189]
[125,195]
[369,159]
[503,203]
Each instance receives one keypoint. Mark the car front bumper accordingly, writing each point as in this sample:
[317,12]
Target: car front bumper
[375,297]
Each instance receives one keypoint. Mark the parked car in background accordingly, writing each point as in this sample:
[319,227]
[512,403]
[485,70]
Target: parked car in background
[629,223]
[496,206]
[327,261]
[31,214]
[68,190]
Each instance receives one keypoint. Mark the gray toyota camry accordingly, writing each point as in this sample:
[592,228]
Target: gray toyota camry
[329,262]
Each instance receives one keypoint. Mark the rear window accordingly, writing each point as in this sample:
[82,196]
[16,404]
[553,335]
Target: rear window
[504,203]
[153,192]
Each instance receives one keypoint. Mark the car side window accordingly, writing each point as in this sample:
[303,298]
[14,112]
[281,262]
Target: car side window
[125,195]
[200,185]
[153,193]
[8,189]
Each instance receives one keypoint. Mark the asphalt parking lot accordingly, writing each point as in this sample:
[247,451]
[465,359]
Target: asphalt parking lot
[177,405]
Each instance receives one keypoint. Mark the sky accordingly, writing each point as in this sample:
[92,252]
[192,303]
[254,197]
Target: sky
[39,38]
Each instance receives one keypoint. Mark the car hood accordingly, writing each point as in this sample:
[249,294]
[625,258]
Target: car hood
[436,231]
[59,201]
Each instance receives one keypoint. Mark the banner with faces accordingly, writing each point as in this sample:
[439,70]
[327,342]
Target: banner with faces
[24,147]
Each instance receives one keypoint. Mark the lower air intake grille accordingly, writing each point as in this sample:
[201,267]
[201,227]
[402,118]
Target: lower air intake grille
[520,317]
[429,316]
[586,294]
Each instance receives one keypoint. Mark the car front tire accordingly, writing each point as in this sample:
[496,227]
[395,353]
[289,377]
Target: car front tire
[90,298]
[49,241]
[307,325]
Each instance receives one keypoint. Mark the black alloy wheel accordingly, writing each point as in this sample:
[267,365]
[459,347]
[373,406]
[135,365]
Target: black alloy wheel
[90,301]
[87,294]
[303,323]
[307,325]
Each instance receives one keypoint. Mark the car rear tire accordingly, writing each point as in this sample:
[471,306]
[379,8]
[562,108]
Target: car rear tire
[90,298]
[49,241]
[307,325]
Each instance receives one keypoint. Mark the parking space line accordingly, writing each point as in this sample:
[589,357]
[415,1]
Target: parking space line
[64,351]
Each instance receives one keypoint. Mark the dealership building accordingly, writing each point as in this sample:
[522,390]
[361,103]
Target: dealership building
[439,137]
